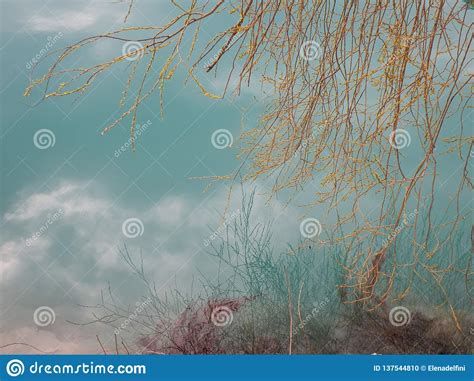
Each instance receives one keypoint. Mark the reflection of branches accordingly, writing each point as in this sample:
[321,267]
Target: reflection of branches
[379,66]
[154,317]
[287,302]
[26,345]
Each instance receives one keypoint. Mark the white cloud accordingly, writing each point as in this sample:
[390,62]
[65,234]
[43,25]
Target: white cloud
[13,254]
[55,16]
[169,211]
[9,259]
[75,16]
[66,197]
[82,15]
[66,339]
[67,20]
[74,258]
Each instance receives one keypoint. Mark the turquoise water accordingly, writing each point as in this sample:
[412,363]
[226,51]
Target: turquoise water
[64,207]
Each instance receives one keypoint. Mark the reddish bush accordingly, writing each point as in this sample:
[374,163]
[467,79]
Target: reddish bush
[196,331]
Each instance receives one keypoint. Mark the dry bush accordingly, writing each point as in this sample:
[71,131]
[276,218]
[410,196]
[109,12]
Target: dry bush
[293,302]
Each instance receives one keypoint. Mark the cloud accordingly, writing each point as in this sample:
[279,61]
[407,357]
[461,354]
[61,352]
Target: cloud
[65,339]
[170,211]
[81,15]
[59,16]
[67,20]
[10,255]
[65,197]
[70,259]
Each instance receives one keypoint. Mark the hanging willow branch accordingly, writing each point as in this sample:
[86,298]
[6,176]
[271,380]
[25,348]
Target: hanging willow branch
[354,82]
